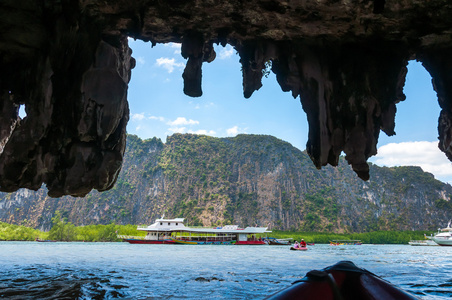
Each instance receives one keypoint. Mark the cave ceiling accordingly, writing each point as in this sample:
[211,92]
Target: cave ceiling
[68,62]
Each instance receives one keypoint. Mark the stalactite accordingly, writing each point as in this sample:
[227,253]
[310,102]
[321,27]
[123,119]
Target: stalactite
[69,63]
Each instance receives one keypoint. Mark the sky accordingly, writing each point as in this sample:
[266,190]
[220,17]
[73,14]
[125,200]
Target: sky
[159,108]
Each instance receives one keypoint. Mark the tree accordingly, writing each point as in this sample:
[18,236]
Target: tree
[107,233]
[61,230]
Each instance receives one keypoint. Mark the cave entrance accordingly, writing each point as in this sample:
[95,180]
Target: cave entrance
[158,106]
[416,139]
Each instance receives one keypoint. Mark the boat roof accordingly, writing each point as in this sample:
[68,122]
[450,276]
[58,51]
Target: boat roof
[443,234]
[170,225]
[176,220]
[247,230]
[164,225]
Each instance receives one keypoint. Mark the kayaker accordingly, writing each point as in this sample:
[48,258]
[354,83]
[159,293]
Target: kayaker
[295,245]
[302,243]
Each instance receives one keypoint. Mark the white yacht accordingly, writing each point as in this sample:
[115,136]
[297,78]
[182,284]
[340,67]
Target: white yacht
[443,237]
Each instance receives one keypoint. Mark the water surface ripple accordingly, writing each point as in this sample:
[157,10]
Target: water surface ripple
[31,270]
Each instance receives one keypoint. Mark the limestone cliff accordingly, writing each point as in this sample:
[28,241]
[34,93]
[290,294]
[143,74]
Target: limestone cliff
[246,180]
[69,63]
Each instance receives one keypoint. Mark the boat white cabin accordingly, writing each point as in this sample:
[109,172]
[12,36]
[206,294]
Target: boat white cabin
[162,228]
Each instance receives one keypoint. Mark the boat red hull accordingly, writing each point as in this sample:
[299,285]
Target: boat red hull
[133,241]
[250,243]
[299,249]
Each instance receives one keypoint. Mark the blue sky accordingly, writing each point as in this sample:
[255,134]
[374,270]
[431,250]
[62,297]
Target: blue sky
[158,107]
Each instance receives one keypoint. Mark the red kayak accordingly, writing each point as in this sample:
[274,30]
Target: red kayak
[343,281]
[299,248]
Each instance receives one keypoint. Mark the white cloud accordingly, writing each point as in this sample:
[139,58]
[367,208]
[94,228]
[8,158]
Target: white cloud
[169,64]
[175,46]
[202,131]
[183,121]
[232,131]
[210,104]
[198,105]
[138,117]
[140,60]
[142,117]
[161,119]
[180,124]
[423,154]
[178,129]
[226,52]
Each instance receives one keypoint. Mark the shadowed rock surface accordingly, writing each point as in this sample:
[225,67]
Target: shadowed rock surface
[69,63]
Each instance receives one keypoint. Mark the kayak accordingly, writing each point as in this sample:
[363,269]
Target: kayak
[299,248]
[343,280]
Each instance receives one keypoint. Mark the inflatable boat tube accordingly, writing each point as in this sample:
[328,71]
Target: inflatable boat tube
[342,281]
[299,248]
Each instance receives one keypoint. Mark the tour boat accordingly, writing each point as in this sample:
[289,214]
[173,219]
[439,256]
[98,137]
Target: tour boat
[443,237]
[345,242]
[279,242]
[44,241]
[173,231]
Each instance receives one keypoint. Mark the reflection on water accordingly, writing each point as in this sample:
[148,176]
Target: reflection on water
[30,270]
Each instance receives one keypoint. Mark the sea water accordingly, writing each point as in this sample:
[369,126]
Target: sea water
[32,270]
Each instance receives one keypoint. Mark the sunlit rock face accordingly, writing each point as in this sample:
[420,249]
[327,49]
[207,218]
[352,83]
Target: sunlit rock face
[69,63]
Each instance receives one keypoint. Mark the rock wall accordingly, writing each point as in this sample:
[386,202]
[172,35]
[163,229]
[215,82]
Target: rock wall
[245,180]
[68,62]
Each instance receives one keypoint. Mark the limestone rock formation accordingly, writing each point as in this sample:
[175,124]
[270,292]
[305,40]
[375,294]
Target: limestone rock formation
[246,180]
[69,63]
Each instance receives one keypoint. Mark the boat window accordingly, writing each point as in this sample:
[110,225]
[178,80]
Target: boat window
[161,223]
[176,224]
[169,223]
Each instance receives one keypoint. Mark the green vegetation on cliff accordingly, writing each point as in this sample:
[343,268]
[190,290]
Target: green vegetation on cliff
[374,237]
[64,231]
[9,232]
[246,180]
